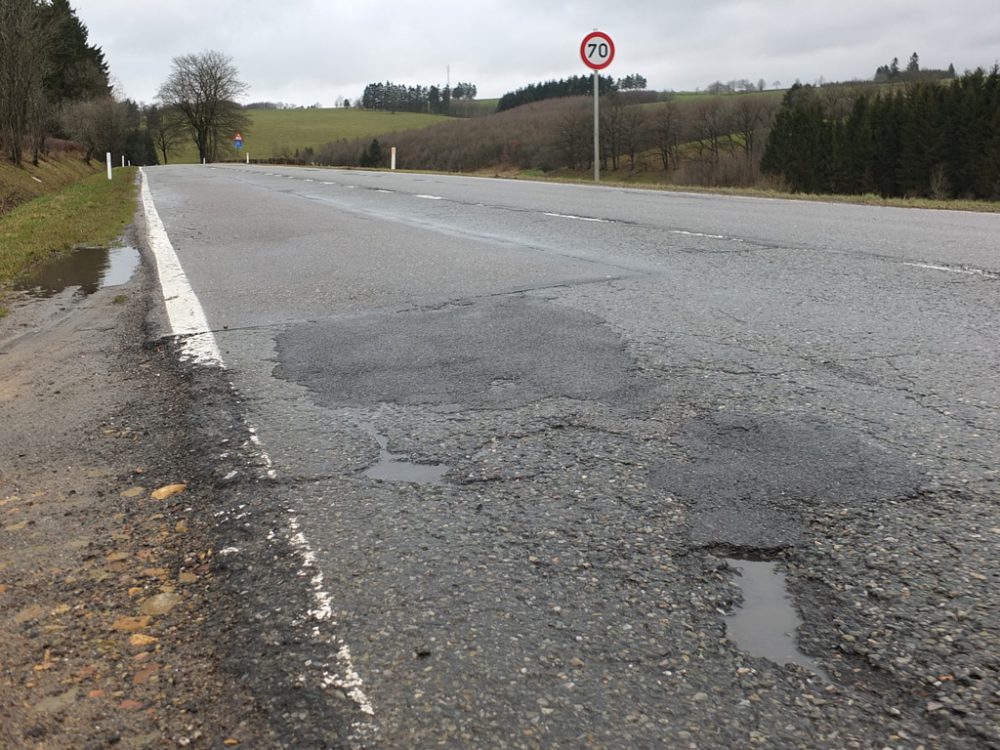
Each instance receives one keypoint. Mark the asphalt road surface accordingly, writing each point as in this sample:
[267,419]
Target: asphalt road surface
[521,435]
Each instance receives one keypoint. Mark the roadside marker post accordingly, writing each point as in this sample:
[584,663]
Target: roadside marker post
[392,158]
[597,51]
[109,165]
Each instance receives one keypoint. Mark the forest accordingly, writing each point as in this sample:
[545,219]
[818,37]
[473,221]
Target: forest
[924,139]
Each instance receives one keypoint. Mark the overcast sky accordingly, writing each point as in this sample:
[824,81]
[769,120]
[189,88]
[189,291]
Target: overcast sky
[307,51]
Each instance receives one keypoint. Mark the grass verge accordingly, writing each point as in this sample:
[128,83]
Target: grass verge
[93,212]
[631,180]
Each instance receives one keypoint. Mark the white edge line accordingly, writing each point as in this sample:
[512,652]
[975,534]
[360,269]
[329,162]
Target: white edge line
[184,311]
[186,318]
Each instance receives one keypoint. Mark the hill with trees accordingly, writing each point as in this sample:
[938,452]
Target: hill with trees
[926,139]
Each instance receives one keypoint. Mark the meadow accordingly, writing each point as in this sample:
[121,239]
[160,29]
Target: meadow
[279,133]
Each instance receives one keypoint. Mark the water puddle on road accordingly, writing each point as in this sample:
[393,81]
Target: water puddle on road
[393,467]
[88,269]
[765,624]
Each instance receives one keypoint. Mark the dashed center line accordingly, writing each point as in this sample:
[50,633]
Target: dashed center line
[576,218]
[428,197]
[966,270]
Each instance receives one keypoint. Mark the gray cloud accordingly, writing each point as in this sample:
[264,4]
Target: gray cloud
[306,51]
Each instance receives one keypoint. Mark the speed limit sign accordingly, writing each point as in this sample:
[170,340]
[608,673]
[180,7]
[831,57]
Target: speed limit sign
[597,50]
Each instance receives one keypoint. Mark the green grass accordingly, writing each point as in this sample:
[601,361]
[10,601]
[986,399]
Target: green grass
[279,132]
[93,212]
[21,184]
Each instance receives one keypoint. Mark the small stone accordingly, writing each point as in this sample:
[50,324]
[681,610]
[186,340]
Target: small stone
[140,640]
[701,697]
[131,624]
[116,556]
[933,706]
[187,577]
[160,604]
[168,491]
[576,663]
[130,705]
[132,492]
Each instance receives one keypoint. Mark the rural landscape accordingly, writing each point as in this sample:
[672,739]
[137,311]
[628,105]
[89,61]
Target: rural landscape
[341,409]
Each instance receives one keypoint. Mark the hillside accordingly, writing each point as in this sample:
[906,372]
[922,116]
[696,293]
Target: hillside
[279,133]
[20,184]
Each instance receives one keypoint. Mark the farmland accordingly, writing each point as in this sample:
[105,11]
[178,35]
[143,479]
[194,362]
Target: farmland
[279,133]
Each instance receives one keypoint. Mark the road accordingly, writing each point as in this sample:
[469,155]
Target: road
[522,436]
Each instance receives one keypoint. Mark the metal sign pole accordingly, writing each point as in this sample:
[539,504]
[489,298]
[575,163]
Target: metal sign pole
[597,127]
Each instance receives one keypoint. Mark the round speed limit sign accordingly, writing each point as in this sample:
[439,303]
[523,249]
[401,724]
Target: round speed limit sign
[597,50]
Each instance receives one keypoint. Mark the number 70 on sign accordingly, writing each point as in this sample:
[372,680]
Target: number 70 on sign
[597,50]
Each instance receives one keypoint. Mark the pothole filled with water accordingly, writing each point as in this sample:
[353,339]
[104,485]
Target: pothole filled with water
[766,623]
[394,467]
[87,269]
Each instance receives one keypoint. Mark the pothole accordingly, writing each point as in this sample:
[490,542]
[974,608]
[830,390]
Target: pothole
[394,467]
[88,269]
[765,624]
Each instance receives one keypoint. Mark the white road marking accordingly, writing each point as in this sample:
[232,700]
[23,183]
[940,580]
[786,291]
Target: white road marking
[967,270]
[700,234]
[577,218]
[184,311]
[429,197]
[380,190]
[188,323]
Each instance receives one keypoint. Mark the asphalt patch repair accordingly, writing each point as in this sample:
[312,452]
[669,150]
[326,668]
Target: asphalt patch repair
[108,567]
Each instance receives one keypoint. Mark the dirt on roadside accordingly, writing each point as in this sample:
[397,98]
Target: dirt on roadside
[107,562]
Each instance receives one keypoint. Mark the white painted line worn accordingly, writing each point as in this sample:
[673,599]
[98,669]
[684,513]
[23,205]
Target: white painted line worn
[428,197]
[184,311]
[188,323]
[578,218]
[966,270]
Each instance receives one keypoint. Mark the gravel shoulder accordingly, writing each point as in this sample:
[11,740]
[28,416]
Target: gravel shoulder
[104,588]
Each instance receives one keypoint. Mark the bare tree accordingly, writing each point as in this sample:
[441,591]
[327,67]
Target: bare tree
[203,89]
[99,125]
[667,128]
[23,66]
[574,137]
[166,127]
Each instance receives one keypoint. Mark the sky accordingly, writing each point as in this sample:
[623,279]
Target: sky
[304,52]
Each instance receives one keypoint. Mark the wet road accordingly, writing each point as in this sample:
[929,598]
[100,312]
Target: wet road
[519,429]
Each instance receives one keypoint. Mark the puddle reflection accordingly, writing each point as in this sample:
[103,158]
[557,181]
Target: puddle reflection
[87,269]
[765,624]
[393,467]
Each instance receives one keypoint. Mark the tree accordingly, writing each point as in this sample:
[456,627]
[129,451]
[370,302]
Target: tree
[372,156]
[913,66]
[23,66]
[77,70]
[99,125]
[203,89]
[166,128]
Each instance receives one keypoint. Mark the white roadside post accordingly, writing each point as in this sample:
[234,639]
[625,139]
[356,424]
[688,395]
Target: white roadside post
[109,165]
[597,51]
[123,160]
[392,158]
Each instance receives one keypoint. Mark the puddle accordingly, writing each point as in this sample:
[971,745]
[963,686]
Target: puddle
[87,269]
[766,623]
[393,467]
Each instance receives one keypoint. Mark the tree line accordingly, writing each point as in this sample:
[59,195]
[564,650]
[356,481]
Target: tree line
[572,86]
[715,141]
[927,139]
[394,97]
[46,66]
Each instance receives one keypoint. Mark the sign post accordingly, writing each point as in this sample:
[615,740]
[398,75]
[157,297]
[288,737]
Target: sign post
[597,51]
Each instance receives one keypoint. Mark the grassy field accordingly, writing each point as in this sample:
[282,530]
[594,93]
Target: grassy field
[279,132]
[92,212]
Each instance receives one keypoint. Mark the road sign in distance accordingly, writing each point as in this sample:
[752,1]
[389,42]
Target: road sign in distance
[597,50]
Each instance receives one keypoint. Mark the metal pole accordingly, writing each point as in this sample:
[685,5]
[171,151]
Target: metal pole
[597,126]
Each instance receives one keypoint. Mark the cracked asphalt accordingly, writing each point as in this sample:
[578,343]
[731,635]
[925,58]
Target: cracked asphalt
[623,389]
